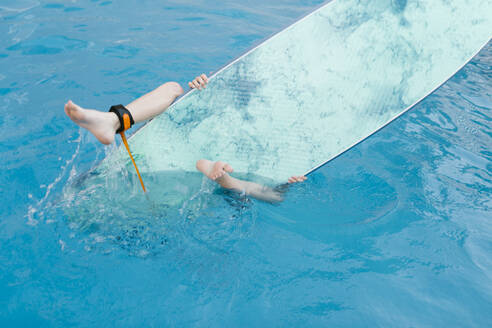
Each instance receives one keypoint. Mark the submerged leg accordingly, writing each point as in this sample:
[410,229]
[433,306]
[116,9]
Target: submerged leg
[218,172]
[103,125]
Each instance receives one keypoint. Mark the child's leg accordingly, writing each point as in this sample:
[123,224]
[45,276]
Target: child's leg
[154,102]
[103,125]
[218,172]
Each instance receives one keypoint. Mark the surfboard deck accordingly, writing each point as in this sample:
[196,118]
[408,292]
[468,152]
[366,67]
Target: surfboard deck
[315,89]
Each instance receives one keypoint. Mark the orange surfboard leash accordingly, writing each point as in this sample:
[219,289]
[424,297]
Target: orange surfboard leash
[126,121]
[123,137]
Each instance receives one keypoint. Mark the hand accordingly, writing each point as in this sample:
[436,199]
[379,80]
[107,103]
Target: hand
[199,82]
[297,178]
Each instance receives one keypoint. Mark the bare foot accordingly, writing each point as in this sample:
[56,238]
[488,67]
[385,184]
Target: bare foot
[213,170]
[102,125]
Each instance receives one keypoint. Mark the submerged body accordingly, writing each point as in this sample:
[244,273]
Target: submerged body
[103,125]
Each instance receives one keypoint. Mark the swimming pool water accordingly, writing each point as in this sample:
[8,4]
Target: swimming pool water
[396,232]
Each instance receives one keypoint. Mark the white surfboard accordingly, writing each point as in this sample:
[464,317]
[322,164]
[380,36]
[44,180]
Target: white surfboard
[315,89]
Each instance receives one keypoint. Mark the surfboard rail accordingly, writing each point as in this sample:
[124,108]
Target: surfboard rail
[406,110]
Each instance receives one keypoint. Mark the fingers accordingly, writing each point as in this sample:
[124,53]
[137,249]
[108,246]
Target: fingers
[199,82]
[204,78]
[202,81]
[297,178]
[196,84]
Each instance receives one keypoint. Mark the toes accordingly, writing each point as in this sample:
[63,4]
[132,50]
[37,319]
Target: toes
[217,175]
[228,168]
[71,106]
[219,170]
[68,108]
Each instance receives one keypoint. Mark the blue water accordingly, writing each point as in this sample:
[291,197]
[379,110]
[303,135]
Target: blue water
[395,232]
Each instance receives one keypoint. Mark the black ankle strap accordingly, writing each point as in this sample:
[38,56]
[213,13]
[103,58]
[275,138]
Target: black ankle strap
[124,116]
